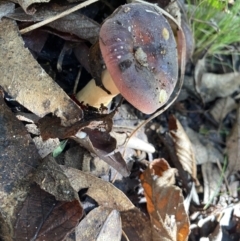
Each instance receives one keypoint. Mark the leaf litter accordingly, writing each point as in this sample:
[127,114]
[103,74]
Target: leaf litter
[70,196]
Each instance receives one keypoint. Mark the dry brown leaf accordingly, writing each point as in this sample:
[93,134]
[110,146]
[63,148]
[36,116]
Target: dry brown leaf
[42,217]
[233,146]
[104,193]
[164,203]
[183,147]
[101,224]
[51,178]
[136,225]
[222,107]
[27,82]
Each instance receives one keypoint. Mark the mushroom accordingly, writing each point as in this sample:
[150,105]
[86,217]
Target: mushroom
[140,53]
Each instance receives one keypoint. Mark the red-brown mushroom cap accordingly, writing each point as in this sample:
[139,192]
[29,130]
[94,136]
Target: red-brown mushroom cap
[140,53]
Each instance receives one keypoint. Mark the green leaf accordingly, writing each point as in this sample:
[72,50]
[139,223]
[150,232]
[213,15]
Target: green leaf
[60,148]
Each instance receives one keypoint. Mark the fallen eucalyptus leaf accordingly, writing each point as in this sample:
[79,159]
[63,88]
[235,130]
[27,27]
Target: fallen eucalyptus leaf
[164,203]
[27,82]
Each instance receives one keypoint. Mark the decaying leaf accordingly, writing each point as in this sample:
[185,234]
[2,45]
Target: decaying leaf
[42,217]
[101,224]
[136,225]
[104,193]
[27,82]
[183,146]
[164,203]
[103,145]
[233,146]
[222,107]
[94,140]
[50,177]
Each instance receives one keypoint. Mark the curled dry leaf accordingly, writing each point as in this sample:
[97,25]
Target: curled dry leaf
[104,193]
[6,8]
[164,203]
[26,5]
[27,82]
[233,146]
[74,24]
[183,146]
[101,224]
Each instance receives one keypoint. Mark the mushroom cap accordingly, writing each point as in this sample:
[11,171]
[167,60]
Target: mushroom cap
[140,53]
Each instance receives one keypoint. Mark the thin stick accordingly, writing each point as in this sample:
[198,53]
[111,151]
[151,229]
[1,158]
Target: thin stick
[51,19]
[77,81]
[125,235]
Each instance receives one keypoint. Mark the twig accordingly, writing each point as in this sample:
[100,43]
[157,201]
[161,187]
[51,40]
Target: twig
[51,19]
[77,81]
[125,235]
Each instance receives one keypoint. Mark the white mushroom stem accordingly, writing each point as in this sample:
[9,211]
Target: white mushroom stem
[94,96]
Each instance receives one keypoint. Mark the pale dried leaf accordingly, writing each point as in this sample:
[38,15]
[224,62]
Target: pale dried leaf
[25,80]
[101,224]
[164,203]
[204,149]
[211,178]
[200,150]
[104,193]
[75,23]
[222,107]
[32,128]
[233,146]
[6,8]
[198,73]
[45,147]
[26,4]
[183,147]
[218,85]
